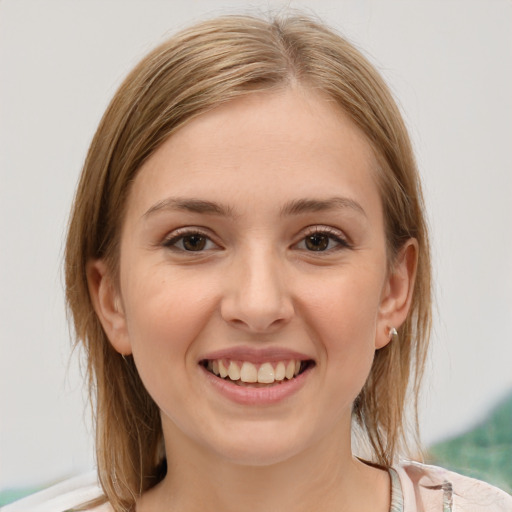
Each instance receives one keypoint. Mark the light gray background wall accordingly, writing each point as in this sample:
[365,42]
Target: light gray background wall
[450,66]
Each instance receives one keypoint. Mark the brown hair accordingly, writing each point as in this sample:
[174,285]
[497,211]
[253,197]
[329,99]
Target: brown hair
[193,72]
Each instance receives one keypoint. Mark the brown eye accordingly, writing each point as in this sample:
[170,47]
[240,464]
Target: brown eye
[317,242]
[194,242]
[190,240]
[324,239]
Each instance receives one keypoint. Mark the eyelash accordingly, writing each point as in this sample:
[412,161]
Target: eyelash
[181,234]
[331,234]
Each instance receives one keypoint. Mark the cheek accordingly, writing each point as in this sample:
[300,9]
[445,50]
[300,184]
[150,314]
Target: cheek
[164,315]
[346,305]
[164,320]
[344,319]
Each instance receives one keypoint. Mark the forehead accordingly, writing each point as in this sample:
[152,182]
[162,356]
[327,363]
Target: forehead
[295,141]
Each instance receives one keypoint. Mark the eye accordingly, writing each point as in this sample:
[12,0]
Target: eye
[322,240]
[189,241]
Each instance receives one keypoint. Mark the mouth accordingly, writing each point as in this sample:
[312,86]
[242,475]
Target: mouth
[249,374]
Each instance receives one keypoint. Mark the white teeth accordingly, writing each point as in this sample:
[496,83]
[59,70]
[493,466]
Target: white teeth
[249,373]
[290,370]
[223,371]
[233,371]
[266,373]
[280,372]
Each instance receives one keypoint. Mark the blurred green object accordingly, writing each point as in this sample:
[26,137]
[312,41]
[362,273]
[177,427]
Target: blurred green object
[485,452]
[9,495]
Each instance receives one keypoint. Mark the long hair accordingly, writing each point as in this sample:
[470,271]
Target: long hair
[190,74]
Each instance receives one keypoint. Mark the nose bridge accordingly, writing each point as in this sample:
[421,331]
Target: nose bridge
[258,297]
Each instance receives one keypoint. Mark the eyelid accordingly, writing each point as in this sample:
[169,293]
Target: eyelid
[172,238]
[333,233]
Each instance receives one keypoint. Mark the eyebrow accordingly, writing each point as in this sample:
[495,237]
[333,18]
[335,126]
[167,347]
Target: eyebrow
[295,207]
[317,205]
[190,205]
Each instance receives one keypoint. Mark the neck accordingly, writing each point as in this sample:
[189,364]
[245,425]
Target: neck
[325,477]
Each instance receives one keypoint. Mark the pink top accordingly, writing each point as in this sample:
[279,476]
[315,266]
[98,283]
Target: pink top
[433,489]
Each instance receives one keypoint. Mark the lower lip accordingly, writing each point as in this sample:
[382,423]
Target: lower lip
[256,396]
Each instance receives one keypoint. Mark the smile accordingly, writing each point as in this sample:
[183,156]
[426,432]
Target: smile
[248,374]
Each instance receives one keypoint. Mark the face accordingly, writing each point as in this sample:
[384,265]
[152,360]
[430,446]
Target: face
[254,287]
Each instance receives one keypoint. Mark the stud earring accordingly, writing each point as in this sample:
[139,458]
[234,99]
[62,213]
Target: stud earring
[393,335]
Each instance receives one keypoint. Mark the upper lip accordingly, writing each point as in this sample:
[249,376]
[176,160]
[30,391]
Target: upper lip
[256,355]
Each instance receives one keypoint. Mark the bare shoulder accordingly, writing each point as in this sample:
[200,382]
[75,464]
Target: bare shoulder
[432,488]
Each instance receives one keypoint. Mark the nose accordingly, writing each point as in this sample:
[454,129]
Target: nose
[257,297]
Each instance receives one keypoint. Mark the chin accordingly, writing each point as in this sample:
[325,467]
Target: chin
[260,447]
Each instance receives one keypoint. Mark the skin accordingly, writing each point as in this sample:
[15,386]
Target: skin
[257,284]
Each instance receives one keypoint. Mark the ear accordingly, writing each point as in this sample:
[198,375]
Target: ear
[397,292]
[108,306]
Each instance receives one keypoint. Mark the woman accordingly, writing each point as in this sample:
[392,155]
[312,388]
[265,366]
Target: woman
[248,268]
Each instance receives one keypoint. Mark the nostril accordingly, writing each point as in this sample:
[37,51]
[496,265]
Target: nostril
[258,302]
[258,322]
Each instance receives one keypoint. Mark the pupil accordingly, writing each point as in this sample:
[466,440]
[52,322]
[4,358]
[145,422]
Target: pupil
[194,242]
[317,242]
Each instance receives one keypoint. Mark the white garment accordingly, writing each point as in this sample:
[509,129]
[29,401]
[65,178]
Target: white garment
[62,497]
[423,490]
